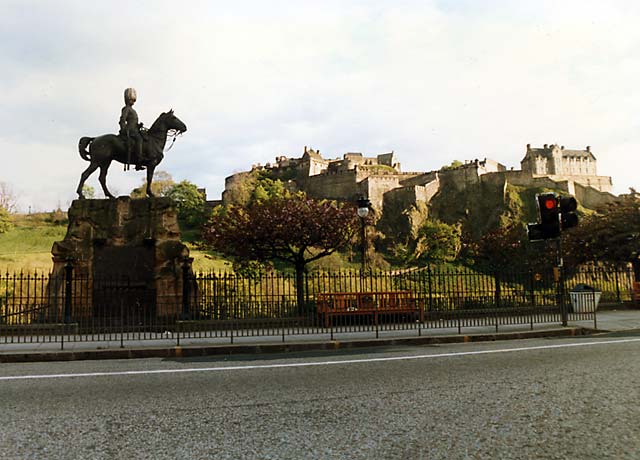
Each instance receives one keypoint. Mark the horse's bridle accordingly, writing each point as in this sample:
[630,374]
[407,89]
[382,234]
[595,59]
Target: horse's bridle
[173,133]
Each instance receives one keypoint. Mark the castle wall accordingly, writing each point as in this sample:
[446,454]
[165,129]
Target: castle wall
[592,198]
[403,197]
[459,178]
[234,190]
[377,186]
[413,179]
[338,186]
[586,195]
[601,183]
[495,179]
[428,191]
[522,179]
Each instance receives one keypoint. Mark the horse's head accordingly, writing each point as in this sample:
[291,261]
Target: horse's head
[173,122]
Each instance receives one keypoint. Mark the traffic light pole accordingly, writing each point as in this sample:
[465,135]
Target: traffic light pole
[556,213]
[560,267]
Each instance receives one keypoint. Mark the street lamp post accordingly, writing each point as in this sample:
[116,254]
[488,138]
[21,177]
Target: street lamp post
[363,211]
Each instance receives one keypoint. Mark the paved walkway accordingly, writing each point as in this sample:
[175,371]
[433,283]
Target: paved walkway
[617,320]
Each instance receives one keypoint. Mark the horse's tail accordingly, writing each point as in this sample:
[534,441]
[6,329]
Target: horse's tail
[82,147]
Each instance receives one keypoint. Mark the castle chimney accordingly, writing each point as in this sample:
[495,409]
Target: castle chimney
[305,149]
[528,146]
[545,146]
[562,147]
[589,148]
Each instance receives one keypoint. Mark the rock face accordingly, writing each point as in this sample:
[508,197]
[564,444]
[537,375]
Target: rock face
[127,258]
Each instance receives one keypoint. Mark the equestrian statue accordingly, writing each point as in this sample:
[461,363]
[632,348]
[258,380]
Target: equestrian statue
[133,145]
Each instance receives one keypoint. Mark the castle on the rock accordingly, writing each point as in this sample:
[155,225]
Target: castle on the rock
[381,179]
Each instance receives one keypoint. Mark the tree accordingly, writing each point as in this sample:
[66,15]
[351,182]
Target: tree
[161,184]
[437,242]
[7,206]
[7,198]
[268,188]
[612,235]
[258,184]
[295,229]
[190,203]
[508,247]
[454,164]
[499,249]
[5,220]
[434,242]
[88,191]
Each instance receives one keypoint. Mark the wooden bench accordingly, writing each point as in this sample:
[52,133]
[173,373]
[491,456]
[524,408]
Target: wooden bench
[371,304]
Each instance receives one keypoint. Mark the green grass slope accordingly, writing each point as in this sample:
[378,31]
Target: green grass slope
[27,245]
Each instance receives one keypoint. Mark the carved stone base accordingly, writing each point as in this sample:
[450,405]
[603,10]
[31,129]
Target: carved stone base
[127,258]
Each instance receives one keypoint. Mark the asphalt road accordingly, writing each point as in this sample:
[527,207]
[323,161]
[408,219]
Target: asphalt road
[548,398]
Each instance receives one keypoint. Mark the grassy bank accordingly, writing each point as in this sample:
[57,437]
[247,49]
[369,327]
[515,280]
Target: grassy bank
[27,246]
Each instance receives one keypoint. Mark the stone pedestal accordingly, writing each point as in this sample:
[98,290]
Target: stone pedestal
[127,259]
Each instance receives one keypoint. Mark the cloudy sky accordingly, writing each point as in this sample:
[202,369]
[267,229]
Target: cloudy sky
[435,81]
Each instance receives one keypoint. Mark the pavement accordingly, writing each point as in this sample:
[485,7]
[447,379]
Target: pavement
[52,348]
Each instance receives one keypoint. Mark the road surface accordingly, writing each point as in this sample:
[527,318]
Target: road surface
[575,398]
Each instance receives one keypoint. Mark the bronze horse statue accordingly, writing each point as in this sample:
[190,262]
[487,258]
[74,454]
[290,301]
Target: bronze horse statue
[109,147]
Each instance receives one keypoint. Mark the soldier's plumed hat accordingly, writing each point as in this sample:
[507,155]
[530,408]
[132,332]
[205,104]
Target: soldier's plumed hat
[130,95]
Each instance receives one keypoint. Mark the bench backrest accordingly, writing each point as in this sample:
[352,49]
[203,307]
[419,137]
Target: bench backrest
[350,301]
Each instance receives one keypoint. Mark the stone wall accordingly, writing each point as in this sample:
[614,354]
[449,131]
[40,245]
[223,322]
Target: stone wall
[592,198]
[377,186]
[235,190]
[460,178]
[411,179]
[338,186]
[522,179]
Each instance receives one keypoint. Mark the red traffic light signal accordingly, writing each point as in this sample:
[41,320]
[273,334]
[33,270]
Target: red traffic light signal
[549,209]
[556,213]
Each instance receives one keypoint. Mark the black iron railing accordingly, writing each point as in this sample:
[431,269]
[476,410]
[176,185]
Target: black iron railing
[74,307]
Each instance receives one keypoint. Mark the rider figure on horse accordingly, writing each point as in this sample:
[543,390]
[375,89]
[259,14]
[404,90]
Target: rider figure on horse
[130,128]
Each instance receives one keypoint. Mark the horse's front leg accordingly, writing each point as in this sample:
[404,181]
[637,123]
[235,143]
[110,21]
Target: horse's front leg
[103,180]
[150,169]
[83,177]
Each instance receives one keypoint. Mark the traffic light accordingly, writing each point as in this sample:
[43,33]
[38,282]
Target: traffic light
[548,206]
[556,213]
[549,222]
[568,216]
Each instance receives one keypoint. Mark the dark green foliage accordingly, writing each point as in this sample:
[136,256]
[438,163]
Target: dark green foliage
[88,191]
[454,164]
[507,247]
[433,242]
[266,188]
[161,184]
[612,235]
[256,185]
[190,202]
